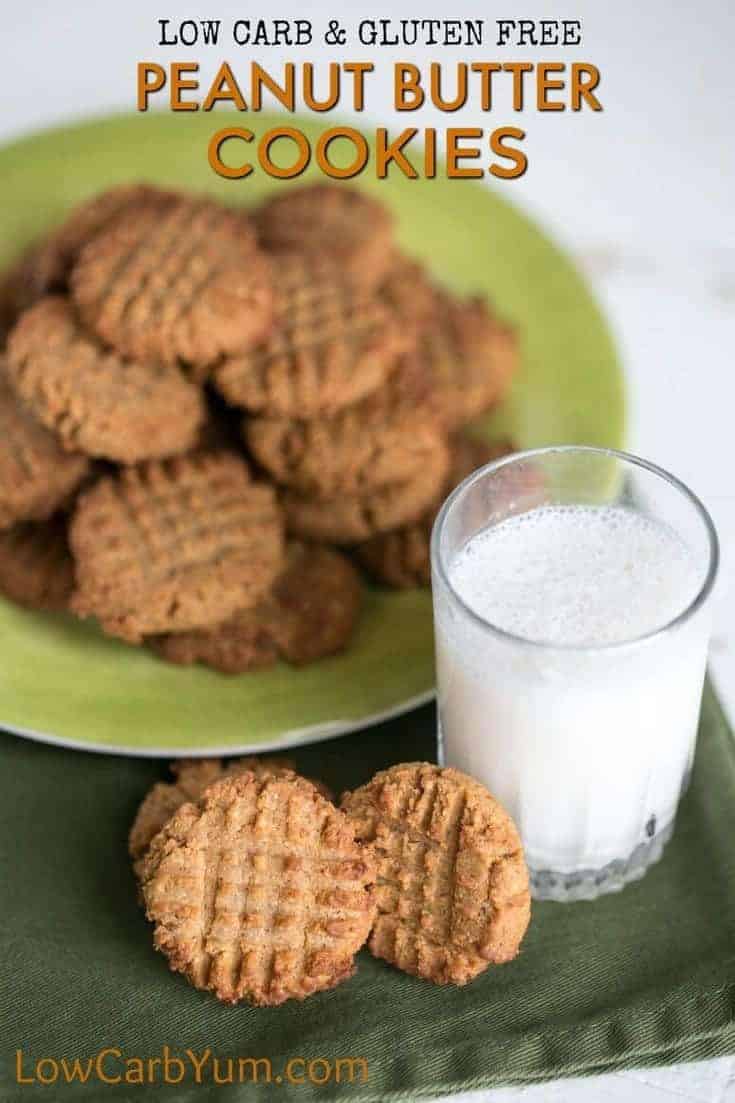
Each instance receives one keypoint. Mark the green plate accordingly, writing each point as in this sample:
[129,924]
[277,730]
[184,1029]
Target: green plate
[62,681]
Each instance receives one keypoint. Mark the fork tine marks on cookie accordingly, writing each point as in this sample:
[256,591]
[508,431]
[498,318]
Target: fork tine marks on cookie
[353,518]
[182,284]
[310,612]
[191,778]
[331,345]
[452,886]
[260,891]
[174,545]
[95,401]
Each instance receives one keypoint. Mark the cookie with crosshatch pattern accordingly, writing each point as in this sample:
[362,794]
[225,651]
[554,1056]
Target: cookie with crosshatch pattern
[353,518]
[310,612]
[94,400]
[452,884]
[183,283]
[385,438]
[174,544]
[332,343]
[259,892]
[191,778]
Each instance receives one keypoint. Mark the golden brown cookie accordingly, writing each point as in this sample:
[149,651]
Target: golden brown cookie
[173,545]
[46,265]
[182,283]
[401,557]
[331,345]
[37,476]
[383,439]
[334,221]
[36,567]
[310,612]
[192,776]
[452,885]
[351,519]
[96,402]
[259,892]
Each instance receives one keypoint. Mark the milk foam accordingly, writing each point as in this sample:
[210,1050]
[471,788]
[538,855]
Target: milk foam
[576,575]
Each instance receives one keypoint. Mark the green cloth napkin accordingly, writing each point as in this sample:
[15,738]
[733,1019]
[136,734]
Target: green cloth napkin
[646,976]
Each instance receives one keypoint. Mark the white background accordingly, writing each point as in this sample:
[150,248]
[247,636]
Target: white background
[641,194]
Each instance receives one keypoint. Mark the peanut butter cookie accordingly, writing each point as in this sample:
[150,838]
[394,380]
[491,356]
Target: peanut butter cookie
[192,776]
[310,612]
[452,884]
[174,545]
[353,518]
[383,439]
[331,345]
[96,402]
[259,892]
[185,283]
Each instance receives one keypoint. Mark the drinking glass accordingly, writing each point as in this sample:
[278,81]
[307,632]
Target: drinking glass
[589,747]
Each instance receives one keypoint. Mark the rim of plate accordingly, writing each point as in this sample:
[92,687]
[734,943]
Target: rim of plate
[295,737]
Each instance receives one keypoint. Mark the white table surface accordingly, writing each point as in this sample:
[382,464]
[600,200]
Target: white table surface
[642,195]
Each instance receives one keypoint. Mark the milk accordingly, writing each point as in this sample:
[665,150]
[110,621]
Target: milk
[586,731]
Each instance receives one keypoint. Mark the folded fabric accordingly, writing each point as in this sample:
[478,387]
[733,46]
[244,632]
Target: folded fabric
[642,977]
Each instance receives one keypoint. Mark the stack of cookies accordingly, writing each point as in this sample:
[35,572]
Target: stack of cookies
[210,418]
[260,889]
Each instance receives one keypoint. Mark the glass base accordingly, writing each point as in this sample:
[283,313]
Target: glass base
[587,884]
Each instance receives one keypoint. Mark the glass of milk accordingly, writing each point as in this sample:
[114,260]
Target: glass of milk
[572,615]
